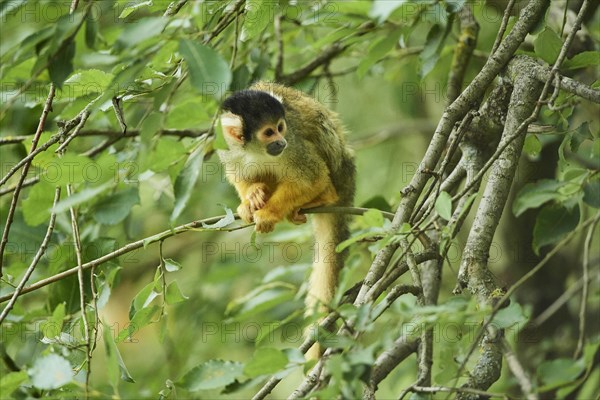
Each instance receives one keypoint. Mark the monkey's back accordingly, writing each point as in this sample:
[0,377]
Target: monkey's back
[321,129]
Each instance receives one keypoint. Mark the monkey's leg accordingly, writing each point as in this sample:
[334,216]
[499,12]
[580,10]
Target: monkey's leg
[327,197]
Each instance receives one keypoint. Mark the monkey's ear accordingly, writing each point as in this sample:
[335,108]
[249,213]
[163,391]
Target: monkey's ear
[232,126]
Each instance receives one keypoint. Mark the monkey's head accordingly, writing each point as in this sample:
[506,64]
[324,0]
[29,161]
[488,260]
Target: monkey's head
[254,120]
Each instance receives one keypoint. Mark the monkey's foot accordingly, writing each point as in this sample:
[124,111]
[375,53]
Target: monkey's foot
[257,197]
[245,212]
[265,221]
[296,218]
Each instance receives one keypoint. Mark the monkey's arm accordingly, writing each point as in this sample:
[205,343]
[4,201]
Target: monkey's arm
[253,197]
[289,197]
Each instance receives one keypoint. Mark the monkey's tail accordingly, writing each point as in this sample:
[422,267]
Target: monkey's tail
[329,231]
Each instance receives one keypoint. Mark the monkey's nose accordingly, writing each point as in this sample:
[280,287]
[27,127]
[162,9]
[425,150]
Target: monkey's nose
[275,148]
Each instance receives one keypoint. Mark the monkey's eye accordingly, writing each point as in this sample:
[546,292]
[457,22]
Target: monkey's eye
[280,127]
[269,132]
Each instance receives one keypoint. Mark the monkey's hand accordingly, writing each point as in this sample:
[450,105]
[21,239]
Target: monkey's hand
[257,196]
[265,220]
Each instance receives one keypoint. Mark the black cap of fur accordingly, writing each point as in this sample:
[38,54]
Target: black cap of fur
[256,109]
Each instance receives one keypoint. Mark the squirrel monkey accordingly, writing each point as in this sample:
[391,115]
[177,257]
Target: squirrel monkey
[288,152]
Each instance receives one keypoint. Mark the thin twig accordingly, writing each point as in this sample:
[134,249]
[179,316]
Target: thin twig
[191,226]
[86,327]
[83,116]
[559,302]
[584,293]
[279,38]
[436,389]
[501,302]
[503,25]
[518,371]
[27,182]
[26,165]
[36,259]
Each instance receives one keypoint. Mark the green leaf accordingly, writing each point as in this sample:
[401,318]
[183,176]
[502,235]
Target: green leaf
[174,294]
[533,195]
[36,207]
[373,218]
[258,15]
[115,367]
[260,299]
[382,9]
[582,60]
[209,72]
[50,372]
[131,8]
[212,374]
[11,382]
[454,5]
[81,197]
[143,299]
[186,181]
[591,193]
[553,223]
[532,146]
[171,265]
[166,152]
[136,32]
[266,361]
[432,50]
[377,51]
[560,371]
[443,206]
[60,65]
[141,318]
[547,45]
[53,325]
[115,208]
[509,316]
[87,82]
[91,28]
[379,202]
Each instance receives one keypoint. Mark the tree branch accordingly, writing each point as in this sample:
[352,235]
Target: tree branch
[529,17]
[26,165]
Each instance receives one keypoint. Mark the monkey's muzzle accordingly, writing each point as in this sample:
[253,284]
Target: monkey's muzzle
[276,147]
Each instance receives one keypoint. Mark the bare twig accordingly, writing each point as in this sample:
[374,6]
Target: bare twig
[438,389]
[584,293]
[26,165]
[36,259]
[27,182]
[503,25]
[518,371]
[529,17]
[83,116]
[279,38]
[191,226]
[79,257]
[559,302]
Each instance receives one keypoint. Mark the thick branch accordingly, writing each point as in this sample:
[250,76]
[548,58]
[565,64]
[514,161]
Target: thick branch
[528,19]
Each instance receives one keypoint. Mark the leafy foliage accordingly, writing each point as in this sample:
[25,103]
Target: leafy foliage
[210,314]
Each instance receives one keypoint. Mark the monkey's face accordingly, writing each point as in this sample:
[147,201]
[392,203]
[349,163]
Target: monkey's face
[271,136]
[254,121]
